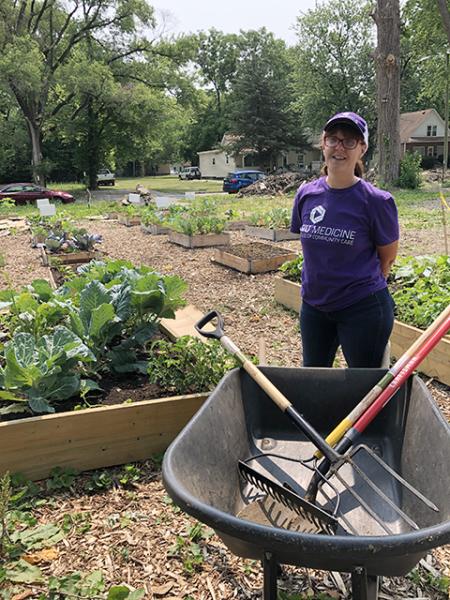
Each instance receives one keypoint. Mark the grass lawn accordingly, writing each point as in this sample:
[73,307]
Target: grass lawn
[418,209]
[166,184]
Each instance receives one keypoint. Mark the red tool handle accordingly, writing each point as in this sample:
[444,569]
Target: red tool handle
[368,416]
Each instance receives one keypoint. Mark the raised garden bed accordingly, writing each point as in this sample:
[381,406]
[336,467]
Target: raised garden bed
[199,240]
[253,257]
[437,363]
[129,221]
[95,437]
[68,258]
[154,229]
[236,225]
[267,233]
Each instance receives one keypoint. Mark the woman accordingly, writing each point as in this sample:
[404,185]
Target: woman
[349,234]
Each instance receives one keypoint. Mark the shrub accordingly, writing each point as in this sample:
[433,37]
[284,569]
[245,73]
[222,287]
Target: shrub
[410,174]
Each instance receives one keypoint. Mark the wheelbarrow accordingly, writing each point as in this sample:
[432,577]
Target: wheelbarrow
[239,422]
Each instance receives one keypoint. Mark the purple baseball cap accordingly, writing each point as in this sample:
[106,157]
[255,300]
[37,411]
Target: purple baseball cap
[350,118]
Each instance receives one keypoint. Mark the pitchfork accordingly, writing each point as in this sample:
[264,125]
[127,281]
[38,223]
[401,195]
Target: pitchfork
[312,517]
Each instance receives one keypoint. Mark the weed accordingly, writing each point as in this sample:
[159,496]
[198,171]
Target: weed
[61,479]
[129,475]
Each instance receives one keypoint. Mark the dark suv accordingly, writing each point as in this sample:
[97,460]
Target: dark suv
[241,178]
[190,173]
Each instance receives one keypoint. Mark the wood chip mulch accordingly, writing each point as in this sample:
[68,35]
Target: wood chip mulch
[136,536]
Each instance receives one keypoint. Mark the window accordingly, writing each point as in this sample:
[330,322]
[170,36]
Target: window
[430,151]
[226,158]
[213,161]
[431,130]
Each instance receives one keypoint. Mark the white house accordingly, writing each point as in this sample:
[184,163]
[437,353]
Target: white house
[220,161]
[422,131]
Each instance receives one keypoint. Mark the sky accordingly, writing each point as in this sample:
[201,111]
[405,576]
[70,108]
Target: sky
[229,16]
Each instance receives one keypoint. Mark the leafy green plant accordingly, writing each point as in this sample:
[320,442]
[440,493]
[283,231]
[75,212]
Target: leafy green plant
[108,314]
[276,218]
[420,287]
[410,171]
[188,365]
[61,479]
[202,217]
[40,371]
[292,269]
[187,547]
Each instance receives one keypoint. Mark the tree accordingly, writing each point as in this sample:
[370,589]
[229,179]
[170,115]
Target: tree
[217,58]
[261,111]
[387,60]
[38,38]
[424,27]
[334,67]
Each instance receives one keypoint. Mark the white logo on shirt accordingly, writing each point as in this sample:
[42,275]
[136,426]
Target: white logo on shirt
[317,214]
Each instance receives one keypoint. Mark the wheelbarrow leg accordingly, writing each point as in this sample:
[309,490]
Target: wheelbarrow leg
[364,586]
[270,568]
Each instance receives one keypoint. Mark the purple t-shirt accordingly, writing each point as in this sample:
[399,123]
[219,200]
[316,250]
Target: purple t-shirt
[339,231]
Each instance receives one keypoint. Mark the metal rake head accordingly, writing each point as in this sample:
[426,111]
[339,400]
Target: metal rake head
[282,507]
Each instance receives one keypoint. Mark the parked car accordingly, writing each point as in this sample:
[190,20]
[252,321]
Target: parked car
[190,173]
[241,178]
[22,193]
[105,177]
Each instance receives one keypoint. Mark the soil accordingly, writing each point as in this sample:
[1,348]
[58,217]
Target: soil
[254,250]
[133,534]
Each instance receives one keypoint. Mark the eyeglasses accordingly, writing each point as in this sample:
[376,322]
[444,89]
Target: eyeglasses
[333,141]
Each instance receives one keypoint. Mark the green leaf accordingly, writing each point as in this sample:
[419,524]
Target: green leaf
[24,347]
[121,592]
[66,387]
[15,375]
[94,294]
[13,408]
[43,289]
[100,316]
[23,572]
[40,405]
[41,536]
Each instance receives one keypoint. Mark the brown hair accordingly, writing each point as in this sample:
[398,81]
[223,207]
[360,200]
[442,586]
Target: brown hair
[359,167]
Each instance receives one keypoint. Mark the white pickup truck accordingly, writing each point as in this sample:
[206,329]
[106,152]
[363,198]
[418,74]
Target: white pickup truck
[105,177]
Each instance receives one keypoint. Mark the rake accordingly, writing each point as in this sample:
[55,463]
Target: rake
[304,511]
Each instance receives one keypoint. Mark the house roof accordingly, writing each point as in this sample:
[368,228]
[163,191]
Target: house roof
[409,122]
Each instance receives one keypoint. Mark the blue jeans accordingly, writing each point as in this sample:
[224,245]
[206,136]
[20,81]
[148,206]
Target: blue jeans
[362,330]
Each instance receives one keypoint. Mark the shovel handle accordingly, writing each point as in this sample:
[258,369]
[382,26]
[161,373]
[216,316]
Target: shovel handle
[216,333]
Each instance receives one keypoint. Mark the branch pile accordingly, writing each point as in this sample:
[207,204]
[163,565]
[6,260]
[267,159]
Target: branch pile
[275,185]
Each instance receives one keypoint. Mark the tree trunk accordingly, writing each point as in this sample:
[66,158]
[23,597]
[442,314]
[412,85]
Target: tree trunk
[92,147]
[36,151]
[387,60]
[445,16]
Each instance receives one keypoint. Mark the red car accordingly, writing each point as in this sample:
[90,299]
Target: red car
[22,193]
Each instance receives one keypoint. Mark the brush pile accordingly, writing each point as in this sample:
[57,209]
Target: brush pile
[275,185]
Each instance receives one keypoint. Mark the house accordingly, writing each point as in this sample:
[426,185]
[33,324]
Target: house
[216,163]
[422,131]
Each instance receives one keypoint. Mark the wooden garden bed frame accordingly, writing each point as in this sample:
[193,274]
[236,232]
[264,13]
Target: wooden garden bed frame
[201,240]
[94,438]
[68,258]
[437,363]
[273,235]
[129,221]
[154,229]
[251,265]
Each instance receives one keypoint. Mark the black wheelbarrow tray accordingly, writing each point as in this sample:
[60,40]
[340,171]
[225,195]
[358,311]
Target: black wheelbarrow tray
[238,421]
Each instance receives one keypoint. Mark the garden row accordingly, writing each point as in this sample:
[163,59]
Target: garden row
[65,349]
